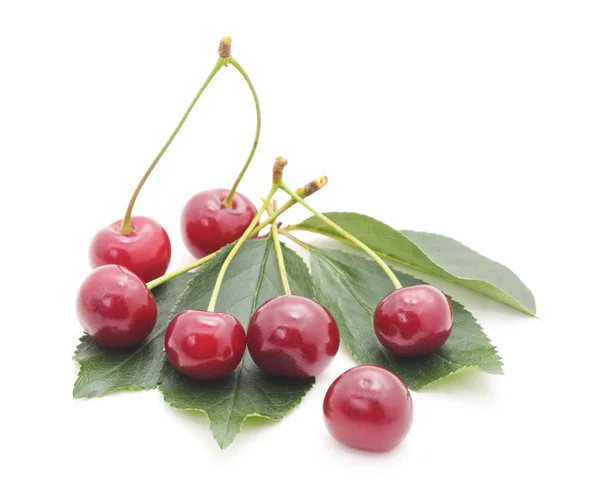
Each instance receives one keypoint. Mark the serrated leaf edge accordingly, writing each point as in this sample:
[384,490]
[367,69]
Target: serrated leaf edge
[249,415]
[462,366]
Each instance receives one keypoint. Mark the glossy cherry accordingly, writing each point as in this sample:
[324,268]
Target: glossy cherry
[146,250]
[369,408]
[292,337]
[413,321]
[115,307]
[207,225]
[205,345]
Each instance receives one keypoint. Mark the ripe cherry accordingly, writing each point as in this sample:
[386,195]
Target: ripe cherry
[115,307]
[205,345]
[146,250]
[207,224]
[292,337]
[369,408]
[413,321]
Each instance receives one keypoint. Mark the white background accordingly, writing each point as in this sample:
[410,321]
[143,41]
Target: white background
[477,120]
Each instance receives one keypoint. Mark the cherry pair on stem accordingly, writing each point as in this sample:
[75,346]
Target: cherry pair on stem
[210,220]
[288,336]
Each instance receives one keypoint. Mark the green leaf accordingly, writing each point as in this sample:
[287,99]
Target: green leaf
[252,279]
[104,370]
[434,254]
[351,286]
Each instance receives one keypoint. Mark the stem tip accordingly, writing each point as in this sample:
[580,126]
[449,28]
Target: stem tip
[278,167]
[313,187]
[225,47]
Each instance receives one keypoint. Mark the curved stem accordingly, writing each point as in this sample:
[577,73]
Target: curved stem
[169,276]
[228,201]
[126,223]
[278,251]
[351,238]
[236,248]
[272,218]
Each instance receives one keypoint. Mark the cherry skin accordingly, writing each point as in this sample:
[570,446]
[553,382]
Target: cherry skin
[369,408]
[115,307]
[205,345]
[146,251]
[292,337]
[413,321]
[207,225]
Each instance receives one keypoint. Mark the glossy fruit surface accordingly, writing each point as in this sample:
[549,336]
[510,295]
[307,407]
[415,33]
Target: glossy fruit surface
[369,408]
[292,337]
[146,251]
[115,307]
[413,321]
[206,225]
[205,345]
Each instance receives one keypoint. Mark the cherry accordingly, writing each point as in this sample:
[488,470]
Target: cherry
[205,345]
[208,225]
[292,337]
[115,307]
[146,250]
[368,407]
[413,321]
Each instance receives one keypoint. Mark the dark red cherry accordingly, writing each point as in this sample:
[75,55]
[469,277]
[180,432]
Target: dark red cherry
[369,408]
[205,345]
[146,250]
[115,307]
[207,225]
[413,321]
[292,337]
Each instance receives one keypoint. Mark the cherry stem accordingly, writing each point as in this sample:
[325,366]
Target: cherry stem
[302,192]
[295,239]
[351,238]
[126,223]
[227,202]
[278,251]
[169,276]
[236,248]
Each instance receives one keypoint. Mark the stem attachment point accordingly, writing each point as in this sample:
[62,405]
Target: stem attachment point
[278,167]
[312,187]
[225,47]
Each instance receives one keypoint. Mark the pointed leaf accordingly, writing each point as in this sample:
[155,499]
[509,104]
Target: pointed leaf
[104,370]
[351,286]
[435,254]
[252,279]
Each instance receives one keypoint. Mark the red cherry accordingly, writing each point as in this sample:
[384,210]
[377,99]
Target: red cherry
[292,337]
[146,251]
[205,345]
[115,307]
[413,321]
[207,225]
[369,408]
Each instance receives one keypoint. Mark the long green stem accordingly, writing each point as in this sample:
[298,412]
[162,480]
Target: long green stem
[228,201]
[236,248]
[351,238]
[126,223]
[278,251]
[161,280]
